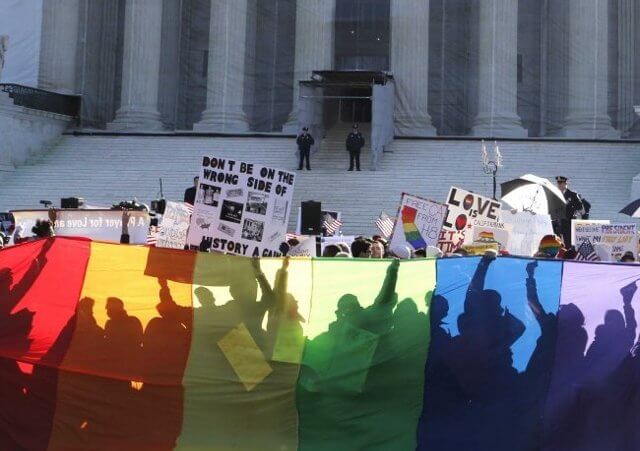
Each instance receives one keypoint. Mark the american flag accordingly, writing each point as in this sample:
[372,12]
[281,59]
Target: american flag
[587,253]
[189,207]
[384,223]
[152,236]
[331,224]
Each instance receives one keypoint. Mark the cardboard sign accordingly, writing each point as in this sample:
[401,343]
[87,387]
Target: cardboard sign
[466,209]
[174,226]
[419,223]
[241,208]
[100,225]
[483,234]
[526,229]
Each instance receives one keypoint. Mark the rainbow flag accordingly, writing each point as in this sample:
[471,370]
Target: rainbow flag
[411,232]
[106,346]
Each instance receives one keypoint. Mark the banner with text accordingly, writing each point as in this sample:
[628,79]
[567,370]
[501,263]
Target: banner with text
[174,226]
[419,222]
[241,208]
[100,225]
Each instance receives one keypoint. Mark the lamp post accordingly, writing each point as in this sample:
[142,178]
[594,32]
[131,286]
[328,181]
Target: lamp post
[491,165]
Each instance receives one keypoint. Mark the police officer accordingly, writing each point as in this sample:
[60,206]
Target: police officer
[304,142]
[355,142]
[574,209]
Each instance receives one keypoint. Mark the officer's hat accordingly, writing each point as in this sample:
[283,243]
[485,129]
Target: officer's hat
[561,179]
[305,129]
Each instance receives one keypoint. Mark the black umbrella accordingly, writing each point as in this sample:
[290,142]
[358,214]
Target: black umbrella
[536,194]
[633,209]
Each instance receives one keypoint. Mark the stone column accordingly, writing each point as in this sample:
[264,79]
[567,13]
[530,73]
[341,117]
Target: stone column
[626,63]
[587,115]
[314,47]
[410,66]
[59,45]
[226,73]
[497,72]
[141,67]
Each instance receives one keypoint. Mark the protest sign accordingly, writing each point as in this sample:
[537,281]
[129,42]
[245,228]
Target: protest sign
[174,226]
[586,230]
[101,225]
[419,223]
[241,208]
[620,238]
[466,209]
[526,229]
[611,241]
[306,248]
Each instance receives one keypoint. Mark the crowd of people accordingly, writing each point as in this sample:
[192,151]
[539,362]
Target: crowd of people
[556,246]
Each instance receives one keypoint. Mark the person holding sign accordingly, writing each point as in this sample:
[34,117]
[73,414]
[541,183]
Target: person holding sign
[304,142]
[355,142]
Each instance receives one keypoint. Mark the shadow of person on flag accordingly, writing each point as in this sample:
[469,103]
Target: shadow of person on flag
[15,327]
[599,408]
[346,368]
[165,347]
[483,379]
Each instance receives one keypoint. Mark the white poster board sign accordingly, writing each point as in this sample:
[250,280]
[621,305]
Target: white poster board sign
[466,209]
[526,229]
[306,248]
[241,208]
[99,225]
[174,226]
[419,223]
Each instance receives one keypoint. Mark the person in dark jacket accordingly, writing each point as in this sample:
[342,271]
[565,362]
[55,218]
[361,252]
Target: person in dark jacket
[304,142]
[574,210]
[355,142]
[190,193]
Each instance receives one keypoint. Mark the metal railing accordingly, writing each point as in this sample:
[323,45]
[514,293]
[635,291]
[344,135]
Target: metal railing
[39,99]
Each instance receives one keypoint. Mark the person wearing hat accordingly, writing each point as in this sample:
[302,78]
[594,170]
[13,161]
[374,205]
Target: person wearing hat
[573,209]
[304,142]
[355,143]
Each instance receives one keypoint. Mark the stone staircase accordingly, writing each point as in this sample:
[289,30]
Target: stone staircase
[333,154]
[105,169]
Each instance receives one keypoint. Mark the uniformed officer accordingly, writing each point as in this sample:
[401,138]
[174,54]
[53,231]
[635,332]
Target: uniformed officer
[304,142]
[355,142]
[574,209]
